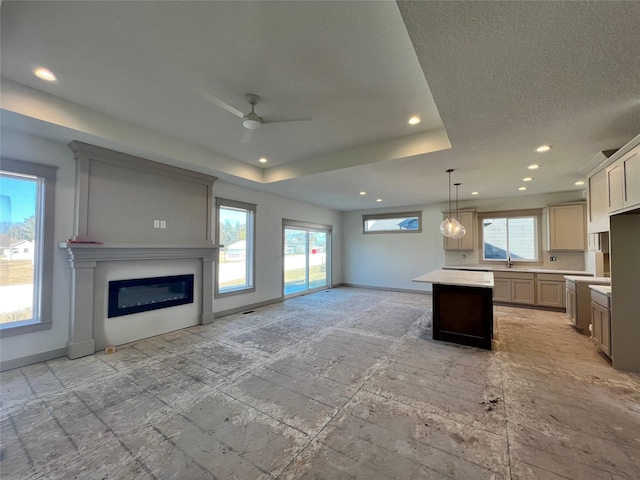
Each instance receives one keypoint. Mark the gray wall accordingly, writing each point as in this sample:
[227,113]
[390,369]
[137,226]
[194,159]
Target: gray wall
[24,147]
[391,260]
[270,211]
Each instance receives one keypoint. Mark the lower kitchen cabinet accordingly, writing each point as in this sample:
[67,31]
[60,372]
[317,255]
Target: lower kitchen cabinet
[572,303]
[501,289]
[579,299]
[550,292]
[514,287]
[523,291]
[601,321]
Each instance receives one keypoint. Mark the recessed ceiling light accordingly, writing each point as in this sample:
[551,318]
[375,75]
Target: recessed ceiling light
[363,193]
[522,189]
[527,179]
[533,166]
[379,200]
[44,74]
[263,160]
[414,120]
[579,182]
[474,193]
[543,148]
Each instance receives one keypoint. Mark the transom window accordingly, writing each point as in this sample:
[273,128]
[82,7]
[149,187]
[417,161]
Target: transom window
[235,230]
[406,222]
[511,236]
[26,242]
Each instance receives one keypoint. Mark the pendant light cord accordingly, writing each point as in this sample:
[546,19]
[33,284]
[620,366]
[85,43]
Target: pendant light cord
[457,213]
[449,172]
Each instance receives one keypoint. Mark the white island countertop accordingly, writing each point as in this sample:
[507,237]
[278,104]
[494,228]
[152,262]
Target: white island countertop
[463,278]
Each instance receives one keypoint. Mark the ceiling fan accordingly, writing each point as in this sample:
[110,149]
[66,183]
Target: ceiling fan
[251,121]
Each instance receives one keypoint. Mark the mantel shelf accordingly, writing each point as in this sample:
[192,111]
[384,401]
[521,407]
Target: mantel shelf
[94,252]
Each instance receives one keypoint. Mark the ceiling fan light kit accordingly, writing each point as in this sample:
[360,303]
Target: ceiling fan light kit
[251,120]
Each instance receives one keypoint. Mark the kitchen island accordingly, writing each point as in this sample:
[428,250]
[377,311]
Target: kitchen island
[462,306]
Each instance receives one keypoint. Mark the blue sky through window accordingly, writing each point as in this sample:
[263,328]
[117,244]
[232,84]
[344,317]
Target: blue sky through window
[17,198]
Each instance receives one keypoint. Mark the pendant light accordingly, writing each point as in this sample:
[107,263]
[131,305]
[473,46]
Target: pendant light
[450,227]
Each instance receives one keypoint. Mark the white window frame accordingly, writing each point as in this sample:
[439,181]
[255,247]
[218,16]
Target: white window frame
[388,216]
[536,214]
[251,248]
[43,275]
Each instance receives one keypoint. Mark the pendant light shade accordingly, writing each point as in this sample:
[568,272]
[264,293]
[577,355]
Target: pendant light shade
[451,227]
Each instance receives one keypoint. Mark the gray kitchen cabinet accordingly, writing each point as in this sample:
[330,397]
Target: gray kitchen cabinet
[550,290]
[468,220]
[567,227]
[597,205]
[514,287]
[578,299]
[601,321]
[501,289]
[571,302]
[623,182]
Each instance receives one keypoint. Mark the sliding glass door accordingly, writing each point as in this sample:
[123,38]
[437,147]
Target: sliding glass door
[306,259]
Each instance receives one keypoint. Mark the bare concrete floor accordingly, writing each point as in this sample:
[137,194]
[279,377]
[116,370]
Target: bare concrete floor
[344,383]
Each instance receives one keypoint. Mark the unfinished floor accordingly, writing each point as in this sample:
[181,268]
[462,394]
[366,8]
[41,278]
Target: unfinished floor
[344,383]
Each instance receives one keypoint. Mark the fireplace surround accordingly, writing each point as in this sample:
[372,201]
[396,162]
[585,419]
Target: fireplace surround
[86,311]
[119,199]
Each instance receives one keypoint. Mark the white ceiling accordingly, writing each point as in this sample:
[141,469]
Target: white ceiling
[505,77]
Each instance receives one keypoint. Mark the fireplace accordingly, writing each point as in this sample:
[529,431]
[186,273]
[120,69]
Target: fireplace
[144,294]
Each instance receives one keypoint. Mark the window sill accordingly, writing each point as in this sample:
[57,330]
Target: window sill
[231,293]
[9,330]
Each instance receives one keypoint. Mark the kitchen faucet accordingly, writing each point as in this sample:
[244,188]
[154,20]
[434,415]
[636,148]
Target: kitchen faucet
[509,262]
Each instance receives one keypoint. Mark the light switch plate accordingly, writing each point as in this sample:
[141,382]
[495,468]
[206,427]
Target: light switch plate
[156,224]
[163,224]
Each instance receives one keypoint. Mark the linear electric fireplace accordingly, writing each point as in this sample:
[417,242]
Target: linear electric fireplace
[143,294]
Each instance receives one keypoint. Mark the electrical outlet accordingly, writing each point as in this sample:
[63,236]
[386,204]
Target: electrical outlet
[552,259]
[163,224]
[156,224]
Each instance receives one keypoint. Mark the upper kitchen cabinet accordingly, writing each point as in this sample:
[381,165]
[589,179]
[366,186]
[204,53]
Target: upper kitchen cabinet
[468,220]
[597,205]
[623,182]
[567,227]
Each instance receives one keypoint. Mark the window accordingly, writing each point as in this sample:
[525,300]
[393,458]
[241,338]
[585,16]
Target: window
[510,235]
[410,222]
[26,246]
[235,230]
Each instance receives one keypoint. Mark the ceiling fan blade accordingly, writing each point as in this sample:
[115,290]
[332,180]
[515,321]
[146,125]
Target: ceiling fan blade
[247,135]
[221,103]
[284,120]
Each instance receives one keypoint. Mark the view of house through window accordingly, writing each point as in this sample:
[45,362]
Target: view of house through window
[235,259]
[410,222]
[510,237]
[19,239]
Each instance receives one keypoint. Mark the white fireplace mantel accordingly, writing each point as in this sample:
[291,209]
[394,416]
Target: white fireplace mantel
[83,258]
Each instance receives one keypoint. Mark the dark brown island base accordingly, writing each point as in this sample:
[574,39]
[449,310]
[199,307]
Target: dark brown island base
[462,306]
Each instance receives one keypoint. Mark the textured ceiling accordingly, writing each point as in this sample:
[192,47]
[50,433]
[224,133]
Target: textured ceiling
[503,78]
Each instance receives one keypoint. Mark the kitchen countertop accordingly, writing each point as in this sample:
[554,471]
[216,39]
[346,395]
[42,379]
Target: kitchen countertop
[458,277]
[604,289]
[489,268]
[588,279]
